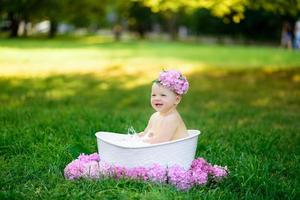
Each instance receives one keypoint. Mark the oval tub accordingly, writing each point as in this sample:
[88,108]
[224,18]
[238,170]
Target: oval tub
[180,152]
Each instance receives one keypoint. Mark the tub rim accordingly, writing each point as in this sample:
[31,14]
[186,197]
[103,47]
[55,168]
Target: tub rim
[198,132]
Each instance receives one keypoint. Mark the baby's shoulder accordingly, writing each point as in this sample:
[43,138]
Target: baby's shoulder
[153,116]
[172,118]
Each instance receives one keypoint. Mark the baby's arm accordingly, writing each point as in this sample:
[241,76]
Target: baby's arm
[165,132]
[147,128]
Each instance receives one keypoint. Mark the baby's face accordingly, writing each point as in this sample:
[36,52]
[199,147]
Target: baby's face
[163,99]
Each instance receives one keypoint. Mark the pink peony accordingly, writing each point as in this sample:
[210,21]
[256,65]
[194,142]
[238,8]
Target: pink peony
[105,168]
[139,173]
[174,80]
[179,177]
[92,170]
[82,166]
[157,173]
[218,171]
[74,170]
[116,171]
[90,166]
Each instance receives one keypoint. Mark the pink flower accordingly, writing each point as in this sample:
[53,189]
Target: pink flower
[82,166]
[136,173]
[198,177]
[92,170]
[74,170]
[88,166]
[173,80]
[86,158]
[157,173]
[200,170]
[179,177]
[116,171]
[105,168]
[218,171]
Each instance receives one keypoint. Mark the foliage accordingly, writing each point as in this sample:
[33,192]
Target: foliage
[282,7]
[227,9]
[141,15]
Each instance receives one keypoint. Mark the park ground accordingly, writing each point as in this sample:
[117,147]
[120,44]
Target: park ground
[55,94]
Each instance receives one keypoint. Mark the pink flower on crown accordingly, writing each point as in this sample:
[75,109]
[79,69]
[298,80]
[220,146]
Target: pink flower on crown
[174,80]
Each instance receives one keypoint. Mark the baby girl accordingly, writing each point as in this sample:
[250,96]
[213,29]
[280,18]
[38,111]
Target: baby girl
[166,124]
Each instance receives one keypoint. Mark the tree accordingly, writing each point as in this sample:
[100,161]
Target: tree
[282,7]
[220,8]
[79,12]
[224,8]
[17,11]
[228,10]
[140,18]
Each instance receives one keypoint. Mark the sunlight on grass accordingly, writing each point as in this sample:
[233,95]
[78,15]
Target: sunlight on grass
[133,64]
[93,54]
[41,63]
[48,62]
[296,78]
[261,101]
[91,40]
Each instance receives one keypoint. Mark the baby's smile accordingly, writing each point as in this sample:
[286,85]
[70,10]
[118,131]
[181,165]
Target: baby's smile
[158,105]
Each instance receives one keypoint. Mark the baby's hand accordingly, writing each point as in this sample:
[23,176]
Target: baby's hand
[147,137]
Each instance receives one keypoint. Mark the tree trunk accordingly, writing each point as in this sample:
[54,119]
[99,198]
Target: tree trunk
[141,30]
[25,34]
[53,29]
[14,24]
[117,32]
[173,26]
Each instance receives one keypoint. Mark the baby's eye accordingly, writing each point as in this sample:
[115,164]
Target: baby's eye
[163,95]
[153,95]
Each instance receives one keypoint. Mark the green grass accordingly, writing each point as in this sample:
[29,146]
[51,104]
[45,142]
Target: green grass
[245,100]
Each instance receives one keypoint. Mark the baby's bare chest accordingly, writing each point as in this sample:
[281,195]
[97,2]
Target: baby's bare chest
[159,123]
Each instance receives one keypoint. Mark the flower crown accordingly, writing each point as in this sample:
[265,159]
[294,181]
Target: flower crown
[173,80]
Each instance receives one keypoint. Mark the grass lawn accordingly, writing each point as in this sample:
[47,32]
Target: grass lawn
[55,94]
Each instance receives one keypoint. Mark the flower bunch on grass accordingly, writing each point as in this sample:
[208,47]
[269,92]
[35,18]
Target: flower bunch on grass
[90,166]
[84,165]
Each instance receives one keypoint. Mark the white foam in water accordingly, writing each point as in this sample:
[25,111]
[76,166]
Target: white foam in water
[132,141]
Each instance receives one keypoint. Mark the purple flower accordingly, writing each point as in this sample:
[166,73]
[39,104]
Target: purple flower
[116,171]
[200,170]
[74,170]
[174,80]
[92,170]
[86,158]
[157,173]
[218,171]
[105,168]
[90,166]
[198,177]
[139,173]
[179,177]
[82,166]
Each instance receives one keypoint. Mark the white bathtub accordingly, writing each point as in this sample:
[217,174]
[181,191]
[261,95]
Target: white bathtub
[180,152]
